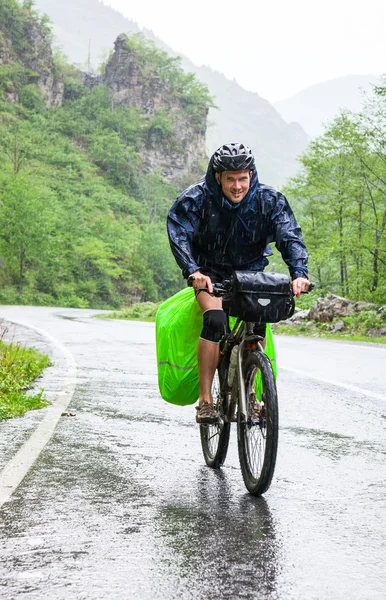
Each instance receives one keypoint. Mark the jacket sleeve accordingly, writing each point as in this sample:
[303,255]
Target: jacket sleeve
[182,220]
[288,238]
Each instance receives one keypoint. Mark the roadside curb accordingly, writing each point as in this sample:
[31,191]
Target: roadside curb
[18,466]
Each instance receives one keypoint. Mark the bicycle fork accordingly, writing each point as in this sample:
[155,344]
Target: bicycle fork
[242,404]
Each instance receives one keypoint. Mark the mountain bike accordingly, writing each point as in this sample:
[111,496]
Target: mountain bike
[243,381]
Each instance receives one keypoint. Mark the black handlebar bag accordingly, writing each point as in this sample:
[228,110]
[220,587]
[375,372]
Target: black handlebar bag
[259,297]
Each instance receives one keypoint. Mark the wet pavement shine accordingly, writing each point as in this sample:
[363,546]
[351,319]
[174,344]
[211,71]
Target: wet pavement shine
[120,504]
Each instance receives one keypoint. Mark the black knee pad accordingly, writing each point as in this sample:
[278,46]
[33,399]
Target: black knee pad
[214,328]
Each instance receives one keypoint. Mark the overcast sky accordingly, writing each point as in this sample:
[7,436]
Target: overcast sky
[273,47]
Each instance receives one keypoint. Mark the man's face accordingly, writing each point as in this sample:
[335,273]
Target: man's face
[234,184]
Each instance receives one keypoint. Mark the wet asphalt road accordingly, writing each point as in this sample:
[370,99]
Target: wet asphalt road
[120,504]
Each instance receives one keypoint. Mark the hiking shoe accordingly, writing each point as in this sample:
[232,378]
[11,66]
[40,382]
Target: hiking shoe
[205,414]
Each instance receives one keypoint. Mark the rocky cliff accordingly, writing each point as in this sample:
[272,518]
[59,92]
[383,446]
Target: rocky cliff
[141,86]
[30,56]
[241,115]
[175,124]
[39,60]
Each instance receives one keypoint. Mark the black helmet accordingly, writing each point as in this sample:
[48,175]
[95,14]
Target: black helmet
[233,157]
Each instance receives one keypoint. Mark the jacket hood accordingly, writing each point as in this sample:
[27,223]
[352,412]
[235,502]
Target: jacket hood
[216,192]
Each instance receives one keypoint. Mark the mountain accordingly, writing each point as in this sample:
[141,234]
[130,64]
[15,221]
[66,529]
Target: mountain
[87,29]
[246,116]
[320,103]
[89,167]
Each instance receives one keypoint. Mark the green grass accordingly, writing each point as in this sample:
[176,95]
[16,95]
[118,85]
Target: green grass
[144,311]
[313,331]
[19,367]
[355,326]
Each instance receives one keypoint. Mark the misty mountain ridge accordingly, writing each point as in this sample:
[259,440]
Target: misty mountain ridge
[318,104]
[86,31]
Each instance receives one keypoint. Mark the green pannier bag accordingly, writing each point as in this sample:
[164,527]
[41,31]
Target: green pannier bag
[178,328]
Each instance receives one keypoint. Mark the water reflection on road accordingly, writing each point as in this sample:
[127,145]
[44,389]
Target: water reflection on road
[221,546]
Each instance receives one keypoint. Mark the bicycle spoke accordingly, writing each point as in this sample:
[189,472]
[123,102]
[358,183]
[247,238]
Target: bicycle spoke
[258,438]
[255,448]
[255,436]
[215,437]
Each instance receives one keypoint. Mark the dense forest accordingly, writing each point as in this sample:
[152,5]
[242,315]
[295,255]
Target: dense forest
[340,197]
[82,219]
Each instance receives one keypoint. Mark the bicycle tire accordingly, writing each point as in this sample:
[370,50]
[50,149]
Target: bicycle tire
[215,438]
[258,440]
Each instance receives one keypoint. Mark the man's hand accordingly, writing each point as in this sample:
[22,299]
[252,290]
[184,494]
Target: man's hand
[201,281]
[299,285]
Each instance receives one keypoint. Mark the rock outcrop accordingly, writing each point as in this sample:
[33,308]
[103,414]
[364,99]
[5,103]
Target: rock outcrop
[326,309]
[40,61]
[142,88]
[36,62]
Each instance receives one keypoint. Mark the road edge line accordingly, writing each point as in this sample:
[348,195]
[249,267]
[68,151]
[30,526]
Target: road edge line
[17,468]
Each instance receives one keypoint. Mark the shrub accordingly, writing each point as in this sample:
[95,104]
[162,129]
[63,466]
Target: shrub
[142,311]
[31,97]
[19,367]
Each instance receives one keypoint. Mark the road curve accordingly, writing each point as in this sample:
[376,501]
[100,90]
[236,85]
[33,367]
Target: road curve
[120,505]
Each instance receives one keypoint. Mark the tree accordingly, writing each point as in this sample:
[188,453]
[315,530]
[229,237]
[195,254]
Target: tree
[342,199]
[28,223]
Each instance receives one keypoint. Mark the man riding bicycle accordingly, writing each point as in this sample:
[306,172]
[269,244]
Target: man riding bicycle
[223,223]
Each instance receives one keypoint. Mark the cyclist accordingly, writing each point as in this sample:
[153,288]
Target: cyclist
[223,223]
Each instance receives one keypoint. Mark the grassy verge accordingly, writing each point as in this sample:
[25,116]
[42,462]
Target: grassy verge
[145,311]
[19,367]
[313,331]
[355,327]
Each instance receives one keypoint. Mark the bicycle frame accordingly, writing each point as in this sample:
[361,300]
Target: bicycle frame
[243,335]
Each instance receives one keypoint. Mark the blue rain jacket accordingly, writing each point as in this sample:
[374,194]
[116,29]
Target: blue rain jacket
[210,234]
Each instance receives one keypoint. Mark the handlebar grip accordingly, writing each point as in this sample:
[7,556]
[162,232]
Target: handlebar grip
[311,287]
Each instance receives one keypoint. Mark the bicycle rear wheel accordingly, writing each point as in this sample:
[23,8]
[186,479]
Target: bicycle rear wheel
[215,438]
[258,438]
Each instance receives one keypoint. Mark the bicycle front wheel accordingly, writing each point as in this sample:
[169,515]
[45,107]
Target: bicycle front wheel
[215,438]
[257,435]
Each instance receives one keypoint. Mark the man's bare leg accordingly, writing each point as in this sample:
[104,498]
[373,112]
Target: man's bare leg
[208,353]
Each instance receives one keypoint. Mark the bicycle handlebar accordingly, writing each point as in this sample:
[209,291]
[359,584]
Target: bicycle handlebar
[220,289]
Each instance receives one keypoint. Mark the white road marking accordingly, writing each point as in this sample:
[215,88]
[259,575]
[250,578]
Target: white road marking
[346,386]
[17,468]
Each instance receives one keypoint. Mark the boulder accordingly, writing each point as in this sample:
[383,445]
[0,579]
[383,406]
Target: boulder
[326,309]
[379,332]
[339,326]
[300,315]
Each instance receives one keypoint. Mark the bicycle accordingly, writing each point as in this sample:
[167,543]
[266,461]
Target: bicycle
[244,376]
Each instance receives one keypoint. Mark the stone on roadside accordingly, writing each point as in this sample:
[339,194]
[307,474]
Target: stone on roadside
[326,309]
[286,323]
[300,315]
[379,332]
[339,326]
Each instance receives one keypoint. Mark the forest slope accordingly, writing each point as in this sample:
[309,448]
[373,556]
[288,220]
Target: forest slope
[82,208]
